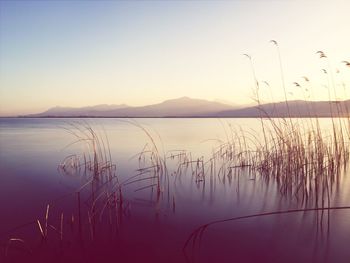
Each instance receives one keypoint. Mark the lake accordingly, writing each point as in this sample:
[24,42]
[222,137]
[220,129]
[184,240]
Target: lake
[155,183]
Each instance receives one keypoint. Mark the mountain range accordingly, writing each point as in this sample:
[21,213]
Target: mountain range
[188,107]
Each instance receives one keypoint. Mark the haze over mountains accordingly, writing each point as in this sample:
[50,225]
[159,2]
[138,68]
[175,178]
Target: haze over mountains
[188,107]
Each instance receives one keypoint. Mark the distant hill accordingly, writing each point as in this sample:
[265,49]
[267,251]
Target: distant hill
[181,107]
[83,111]
[295,108]
[188,107]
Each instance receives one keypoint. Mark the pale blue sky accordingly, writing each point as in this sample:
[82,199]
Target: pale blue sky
[78,53]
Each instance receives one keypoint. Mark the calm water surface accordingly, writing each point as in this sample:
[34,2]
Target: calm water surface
[155,228]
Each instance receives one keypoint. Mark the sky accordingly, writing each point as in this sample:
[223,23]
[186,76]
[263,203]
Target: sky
[80,53]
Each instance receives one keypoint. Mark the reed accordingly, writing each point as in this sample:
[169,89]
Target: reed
[96,157]
[303,160]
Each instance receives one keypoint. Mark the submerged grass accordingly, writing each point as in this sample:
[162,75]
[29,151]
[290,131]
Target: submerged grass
[194,240]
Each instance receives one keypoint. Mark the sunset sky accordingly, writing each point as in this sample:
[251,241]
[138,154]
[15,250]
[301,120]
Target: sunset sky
[79,53]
